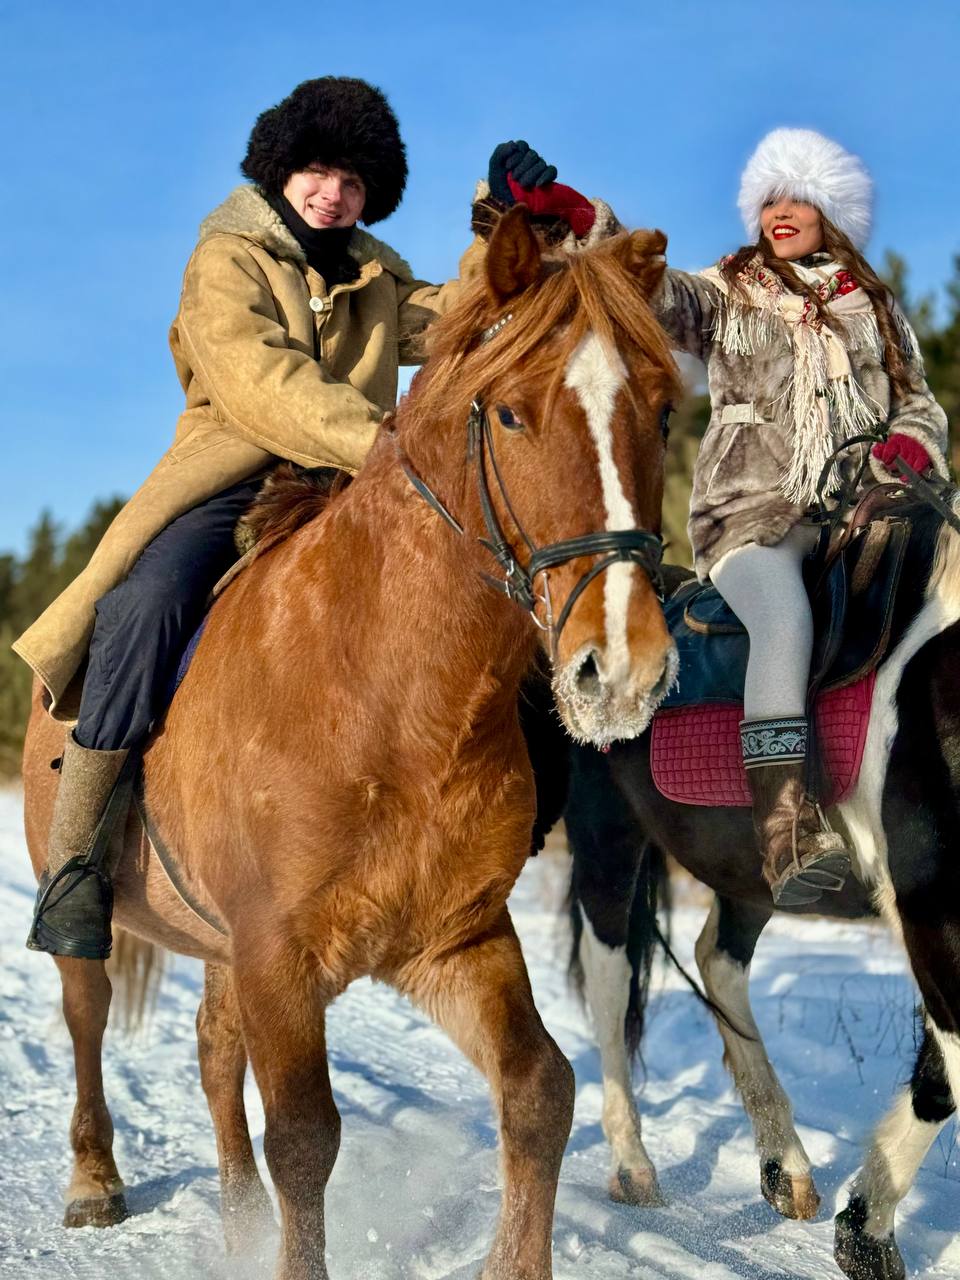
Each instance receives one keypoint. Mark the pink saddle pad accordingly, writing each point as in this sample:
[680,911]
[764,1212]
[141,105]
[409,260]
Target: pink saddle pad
[695,751]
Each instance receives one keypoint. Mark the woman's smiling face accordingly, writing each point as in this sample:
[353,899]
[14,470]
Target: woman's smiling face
[326,197]
[793,229]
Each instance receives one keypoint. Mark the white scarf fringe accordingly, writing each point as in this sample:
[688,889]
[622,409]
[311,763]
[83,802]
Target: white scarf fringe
[826,402]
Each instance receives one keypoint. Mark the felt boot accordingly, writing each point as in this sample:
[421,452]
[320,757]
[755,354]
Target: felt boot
[75,896]
[802,856]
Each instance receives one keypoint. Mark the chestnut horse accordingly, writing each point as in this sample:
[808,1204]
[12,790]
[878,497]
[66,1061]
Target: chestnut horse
[342,775]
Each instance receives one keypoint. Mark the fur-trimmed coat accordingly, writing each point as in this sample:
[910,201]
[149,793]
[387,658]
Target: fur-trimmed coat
[273,365]
[748,443]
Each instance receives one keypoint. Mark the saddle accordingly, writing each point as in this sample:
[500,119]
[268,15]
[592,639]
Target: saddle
[695,740]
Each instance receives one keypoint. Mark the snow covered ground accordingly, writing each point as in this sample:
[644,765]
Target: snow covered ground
[415,1190]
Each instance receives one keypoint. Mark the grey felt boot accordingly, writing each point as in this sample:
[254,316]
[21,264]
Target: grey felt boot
[75,897]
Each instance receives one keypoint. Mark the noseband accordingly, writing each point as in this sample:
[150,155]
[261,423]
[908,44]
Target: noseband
[635,546]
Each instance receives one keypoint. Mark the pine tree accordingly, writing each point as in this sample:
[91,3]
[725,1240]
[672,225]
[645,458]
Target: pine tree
[26,588]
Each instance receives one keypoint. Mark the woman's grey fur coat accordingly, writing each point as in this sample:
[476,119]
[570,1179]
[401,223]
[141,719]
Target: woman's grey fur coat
[736,491]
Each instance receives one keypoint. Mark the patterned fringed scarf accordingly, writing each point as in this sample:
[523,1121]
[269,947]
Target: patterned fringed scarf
[827,403]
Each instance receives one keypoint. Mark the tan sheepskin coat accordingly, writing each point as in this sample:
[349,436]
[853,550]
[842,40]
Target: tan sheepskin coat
[273,365]
[736,496]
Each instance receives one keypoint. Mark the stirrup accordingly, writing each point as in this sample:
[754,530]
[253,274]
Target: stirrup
[806,882]
[44,936]
[809,877]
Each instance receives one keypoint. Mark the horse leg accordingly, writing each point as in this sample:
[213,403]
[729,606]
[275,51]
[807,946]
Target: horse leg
[244,1204]
[95,1195]
[282,1010]
[481,996]
[865,1248]
[919,889]
[724,951]
[608,854]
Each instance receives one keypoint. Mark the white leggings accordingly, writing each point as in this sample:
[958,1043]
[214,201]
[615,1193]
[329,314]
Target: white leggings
[764,587]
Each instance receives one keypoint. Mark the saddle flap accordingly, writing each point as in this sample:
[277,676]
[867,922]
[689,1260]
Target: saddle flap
[873,565]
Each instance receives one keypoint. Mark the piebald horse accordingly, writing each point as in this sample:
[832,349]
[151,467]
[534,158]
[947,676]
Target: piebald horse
[903,819]
[342,778]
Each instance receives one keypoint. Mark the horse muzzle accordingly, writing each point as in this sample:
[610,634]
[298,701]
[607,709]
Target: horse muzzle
[602,700]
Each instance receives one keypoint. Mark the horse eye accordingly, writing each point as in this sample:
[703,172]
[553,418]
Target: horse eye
[665,413]
[508,418]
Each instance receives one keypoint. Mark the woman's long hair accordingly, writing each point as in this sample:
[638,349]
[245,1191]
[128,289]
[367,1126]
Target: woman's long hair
[841,250]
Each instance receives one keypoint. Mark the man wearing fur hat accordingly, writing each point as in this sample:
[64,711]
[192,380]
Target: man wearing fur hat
[291,328]
[804,348]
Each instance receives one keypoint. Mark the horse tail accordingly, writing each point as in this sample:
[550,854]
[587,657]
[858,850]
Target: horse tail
[652,903]
[135,969]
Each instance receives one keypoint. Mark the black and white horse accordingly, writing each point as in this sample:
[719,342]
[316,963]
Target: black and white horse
[903,819]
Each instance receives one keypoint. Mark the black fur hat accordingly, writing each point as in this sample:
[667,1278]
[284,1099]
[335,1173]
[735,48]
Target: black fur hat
[337,121]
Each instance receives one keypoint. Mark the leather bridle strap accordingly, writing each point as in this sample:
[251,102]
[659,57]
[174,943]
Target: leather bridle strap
[635,546]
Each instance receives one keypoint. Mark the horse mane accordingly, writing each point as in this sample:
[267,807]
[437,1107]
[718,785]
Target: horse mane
[600,289]
[288,499]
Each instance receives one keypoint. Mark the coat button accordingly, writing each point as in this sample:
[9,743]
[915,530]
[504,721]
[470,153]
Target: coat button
[318,304]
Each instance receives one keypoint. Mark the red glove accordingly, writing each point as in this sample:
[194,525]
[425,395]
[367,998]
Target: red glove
[559,201]
[910,450]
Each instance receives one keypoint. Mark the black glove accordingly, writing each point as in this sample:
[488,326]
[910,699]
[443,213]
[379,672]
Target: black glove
[527,168]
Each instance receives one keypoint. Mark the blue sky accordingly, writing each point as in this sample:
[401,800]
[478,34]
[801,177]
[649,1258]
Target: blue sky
[124,124]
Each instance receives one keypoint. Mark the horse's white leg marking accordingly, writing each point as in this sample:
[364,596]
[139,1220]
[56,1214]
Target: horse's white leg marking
[607,977]
[726,983]
[899,1145]
[901,1140]
[596,374]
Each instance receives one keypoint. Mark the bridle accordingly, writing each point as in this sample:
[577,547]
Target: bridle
[635,546]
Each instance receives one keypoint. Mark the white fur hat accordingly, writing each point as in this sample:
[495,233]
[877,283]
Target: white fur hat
[813,169]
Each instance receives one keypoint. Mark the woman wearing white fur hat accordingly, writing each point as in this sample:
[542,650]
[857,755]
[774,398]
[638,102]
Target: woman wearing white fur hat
[804,347]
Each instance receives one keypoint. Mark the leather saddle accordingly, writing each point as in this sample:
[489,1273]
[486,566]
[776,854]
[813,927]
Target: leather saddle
[852,596]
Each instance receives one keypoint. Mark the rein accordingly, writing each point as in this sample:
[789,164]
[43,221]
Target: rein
[636,546]
[934,494]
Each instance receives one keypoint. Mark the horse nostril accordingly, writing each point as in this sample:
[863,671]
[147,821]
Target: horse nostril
[588,677]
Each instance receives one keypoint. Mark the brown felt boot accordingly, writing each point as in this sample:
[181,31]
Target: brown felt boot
[75,898]
[802,857]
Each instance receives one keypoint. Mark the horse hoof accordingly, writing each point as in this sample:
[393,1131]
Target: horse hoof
[96,1211]
[640,1189]
[861,1256]
[792,1195]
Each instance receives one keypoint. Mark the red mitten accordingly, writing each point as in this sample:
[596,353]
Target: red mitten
[910,450]
[559,201]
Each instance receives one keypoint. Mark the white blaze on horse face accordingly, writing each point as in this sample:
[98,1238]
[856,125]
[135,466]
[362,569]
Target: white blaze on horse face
[596,375]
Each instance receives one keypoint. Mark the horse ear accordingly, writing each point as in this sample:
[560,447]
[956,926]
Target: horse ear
[513,259]
[642,253]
